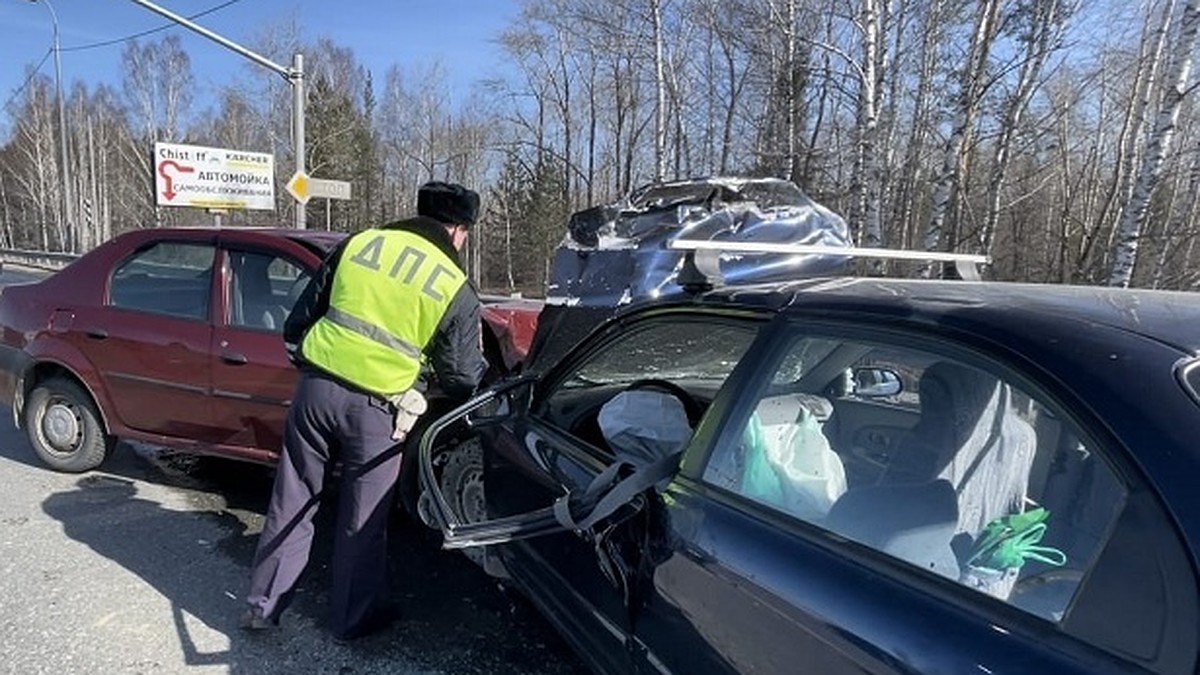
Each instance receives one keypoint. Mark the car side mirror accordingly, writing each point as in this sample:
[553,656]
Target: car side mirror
[876,382]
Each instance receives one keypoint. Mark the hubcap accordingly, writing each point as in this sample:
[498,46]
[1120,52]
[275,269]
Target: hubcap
[61,426]
[473,505]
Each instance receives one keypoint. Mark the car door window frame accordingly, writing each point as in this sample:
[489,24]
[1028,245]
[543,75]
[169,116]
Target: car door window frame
[1010,369]
[543,521]
[603,338]
[227,249]
[210,243]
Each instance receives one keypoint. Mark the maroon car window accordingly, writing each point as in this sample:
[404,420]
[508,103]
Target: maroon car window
[170,278]
[263,288]
[935,462]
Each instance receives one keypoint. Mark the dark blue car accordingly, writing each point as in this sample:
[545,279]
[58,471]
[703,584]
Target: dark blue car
[868,476]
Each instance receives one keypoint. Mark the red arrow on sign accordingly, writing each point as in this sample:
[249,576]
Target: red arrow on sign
[170,193]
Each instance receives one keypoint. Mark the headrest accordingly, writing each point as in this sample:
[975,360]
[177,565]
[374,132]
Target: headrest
[954,392]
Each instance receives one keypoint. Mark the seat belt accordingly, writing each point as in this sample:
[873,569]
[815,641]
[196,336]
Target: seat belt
[608,499]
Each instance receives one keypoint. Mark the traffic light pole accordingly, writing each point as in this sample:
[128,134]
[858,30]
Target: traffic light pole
[294,76]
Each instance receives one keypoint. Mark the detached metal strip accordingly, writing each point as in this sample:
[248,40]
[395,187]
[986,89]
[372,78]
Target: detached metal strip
[372,332]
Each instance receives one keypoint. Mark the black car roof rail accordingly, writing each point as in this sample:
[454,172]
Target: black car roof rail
[701,270]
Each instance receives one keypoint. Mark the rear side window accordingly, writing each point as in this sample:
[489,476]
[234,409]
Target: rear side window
[167,278]
[938,463]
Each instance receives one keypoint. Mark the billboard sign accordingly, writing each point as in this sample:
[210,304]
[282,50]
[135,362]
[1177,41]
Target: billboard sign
[213,178]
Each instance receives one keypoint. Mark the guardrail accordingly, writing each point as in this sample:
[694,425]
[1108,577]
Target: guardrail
[44,260]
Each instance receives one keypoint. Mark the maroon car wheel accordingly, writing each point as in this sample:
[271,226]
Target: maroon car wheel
[64,427]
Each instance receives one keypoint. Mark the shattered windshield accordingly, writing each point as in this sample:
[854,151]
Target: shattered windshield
[671,351]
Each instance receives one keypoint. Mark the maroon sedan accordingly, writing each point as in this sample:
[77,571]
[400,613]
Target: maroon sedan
[172,336]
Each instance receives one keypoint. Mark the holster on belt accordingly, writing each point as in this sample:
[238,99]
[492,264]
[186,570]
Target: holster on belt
[408,407]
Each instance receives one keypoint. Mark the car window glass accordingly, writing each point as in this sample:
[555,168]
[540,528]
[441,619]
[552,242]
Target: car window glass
[649,386]
[263,289]
[933,461]
[170,278]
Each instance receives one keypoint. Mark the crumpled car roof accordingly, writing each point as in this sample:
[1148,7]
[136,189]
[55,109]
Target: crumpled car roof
[617,254]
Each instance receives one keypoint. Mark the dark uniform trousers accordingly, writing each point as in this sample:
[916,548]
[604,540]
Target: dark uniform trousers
[328,421]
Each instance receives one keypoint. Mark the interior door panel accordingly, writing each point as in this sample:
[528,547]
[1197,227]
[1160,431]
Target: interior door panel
[866,435]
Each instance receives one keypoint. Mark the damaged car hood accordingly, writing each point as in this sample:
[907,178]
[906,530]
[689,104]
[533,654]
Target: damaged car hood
[617,254]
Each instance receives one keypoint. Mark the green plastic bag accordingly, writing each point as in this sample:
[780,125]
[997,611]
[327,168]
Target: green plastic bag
[1008,541]
[791,466]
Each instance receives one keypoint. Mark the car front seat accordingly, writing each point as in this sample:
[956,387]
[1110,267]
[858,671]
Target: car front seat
[913,522]
[970,435]
[258,304]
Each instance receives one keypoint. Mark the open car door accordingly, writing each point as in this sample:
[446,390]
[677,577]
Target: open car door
[569,462]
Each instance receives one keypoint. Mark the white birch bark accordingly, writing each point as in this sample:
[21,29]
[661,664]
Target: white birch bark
[868,183]
[966,109]
[660,91]
[1158,146]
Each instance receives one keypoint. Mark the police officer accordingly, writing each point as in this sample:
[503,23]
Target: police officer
[385,301]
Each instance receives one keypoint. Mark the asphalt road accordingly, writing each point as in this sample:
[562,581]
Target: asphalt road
[139,567]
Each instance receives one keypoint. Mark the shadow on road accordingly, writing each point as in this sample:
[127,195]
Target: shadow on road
[197,554]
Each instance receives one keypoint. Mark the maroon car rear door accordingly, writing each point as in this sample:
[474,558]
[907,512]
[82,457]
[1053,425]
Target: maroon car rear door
[253,381]
[149,340]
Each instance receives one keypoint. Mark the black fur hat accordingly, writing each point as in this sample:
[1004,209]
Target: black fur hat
[448,203]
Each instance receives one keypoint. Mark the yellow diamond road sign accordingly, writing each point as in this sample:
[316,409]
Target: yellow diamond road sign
[298,186]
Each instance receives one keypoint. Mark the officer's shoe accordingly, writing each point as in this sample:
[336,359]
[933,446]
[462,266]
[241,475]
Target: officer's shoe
[380,619]
[253,620]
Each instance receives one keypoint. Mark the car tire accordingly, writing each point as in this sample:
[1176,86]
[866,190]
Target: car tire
[462,484]
[64,427]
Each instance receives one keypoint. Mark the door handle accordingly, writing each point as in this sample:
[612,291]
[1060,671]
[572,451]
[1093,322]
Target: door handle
[96,333]
[234,358]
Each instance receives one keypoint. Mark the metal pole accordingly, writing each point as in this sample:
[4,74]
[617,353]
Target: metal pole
[65,171]
[224,42]
[296,77]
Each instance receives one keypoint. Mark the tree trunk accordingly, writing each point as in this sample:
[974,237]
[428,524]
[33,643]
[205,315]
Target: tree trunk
[868,176]
[955,155]
[1158,146]
[1048,18]
[660,89]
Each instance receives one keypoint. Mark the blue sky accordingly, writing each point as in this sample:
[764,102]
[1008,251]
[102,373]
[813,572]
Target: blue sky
[460,34]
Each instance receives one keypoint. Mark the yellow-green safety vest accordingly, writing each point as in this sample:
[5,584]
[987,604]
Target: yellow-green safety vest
[390,291]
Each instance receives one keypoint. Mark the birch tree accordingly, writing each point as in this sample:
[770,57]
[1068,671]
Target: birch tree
[965,109]
[1158,145]
[1040,24]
